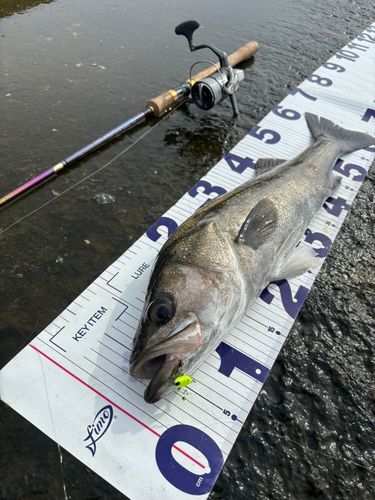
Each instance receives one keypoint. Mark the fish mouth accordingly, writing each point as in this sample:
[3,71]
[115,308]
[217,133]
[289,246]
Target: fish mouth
[161,362]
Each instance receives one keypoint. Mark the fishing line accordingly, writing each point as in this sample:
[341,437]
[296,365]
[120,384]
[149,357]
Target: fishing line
[54,429]
[168,114]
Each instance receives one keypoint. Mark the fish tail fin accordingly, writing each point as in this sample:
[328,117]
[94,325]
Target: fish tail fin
[348,139]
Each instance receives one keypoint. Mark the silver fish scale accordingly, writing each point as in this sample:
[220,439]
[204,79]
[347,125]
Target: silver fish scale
[297,189]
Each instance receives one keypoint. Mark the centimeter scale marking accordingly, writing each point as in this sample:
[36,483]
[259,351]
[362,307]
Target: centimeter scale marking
[90,342]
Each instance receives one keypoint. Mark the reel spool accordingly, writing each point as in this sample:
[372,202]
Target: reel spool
[215,88]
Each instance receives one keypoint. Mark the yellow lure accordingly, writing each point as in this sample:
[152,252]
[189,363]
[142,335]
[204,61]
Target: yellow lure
[182,380]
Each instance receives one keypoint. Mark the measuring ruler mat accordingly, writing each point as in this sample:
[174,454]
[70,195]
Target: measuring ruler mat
[72,380]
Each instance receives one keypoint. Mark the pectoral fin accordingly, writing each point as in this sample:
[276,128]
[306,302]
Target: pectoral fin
[259,225]
[297,262]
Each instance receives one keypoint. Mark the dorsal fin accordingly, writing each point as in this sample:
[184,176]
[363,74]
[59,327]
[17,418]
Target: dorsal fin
[265,164]
[259,224]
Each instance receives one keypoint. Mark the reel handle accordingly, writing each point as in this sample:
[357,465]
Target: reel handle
[187,29]
[164,101]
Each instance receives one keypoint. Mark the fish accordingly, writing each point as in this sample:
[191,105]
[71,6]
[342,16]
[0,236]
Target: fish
[216,264]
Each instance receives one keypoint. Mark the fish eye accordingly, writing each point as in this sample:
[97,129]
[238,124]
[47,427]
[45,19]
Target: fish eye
[161,311]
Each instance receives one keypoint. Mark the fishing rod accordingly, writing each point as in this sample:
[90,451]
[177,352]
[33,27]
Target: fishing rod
[207,88]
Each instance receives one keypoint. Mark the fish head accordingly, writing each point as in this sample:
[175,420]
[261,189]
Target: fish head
[182,311]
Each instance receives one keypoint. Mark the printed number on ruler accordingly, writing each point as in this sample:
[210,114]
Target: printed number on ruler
[347,168]
[231,358]
[272,329]
[321,240]
[206,188]
[370,113]
[193,483]
[299,91]
[348,55]
[261,134]
[324,82]
[337,206]
[227,413]
[288,114]
[167,222]
[290,304]
[239,164]
[334,67]
[357,46]
[365,37]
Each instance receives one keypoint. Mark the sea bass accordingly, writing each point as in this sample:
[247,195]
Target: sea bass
[220,259]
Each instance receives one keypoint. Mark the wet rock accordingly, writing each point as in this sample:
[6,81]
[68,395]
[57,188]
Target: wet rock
[104,198]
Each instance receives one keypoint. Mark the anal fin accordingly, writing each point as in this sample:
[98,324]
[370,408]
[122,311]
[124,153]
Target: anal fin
[303,258]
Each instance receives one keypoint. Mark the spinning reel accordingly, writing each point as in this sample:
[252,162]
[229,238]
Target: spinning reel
[221,84]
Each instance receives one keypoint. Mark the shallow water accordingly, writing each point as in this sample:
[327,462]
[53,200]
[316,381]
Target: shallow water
[71,71]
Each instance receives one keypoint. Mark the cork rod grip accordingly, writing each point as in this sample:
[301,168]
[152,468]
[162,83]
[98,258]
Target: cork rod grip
[237,57]
[166,100]
[162,102]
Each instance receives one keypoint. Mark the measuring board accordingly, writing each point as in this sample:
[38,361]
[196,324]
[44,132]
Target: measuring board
[72,380]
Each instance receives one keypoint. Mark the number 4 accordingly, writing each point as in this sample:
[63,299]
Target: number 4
[338,204]
[370,113]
